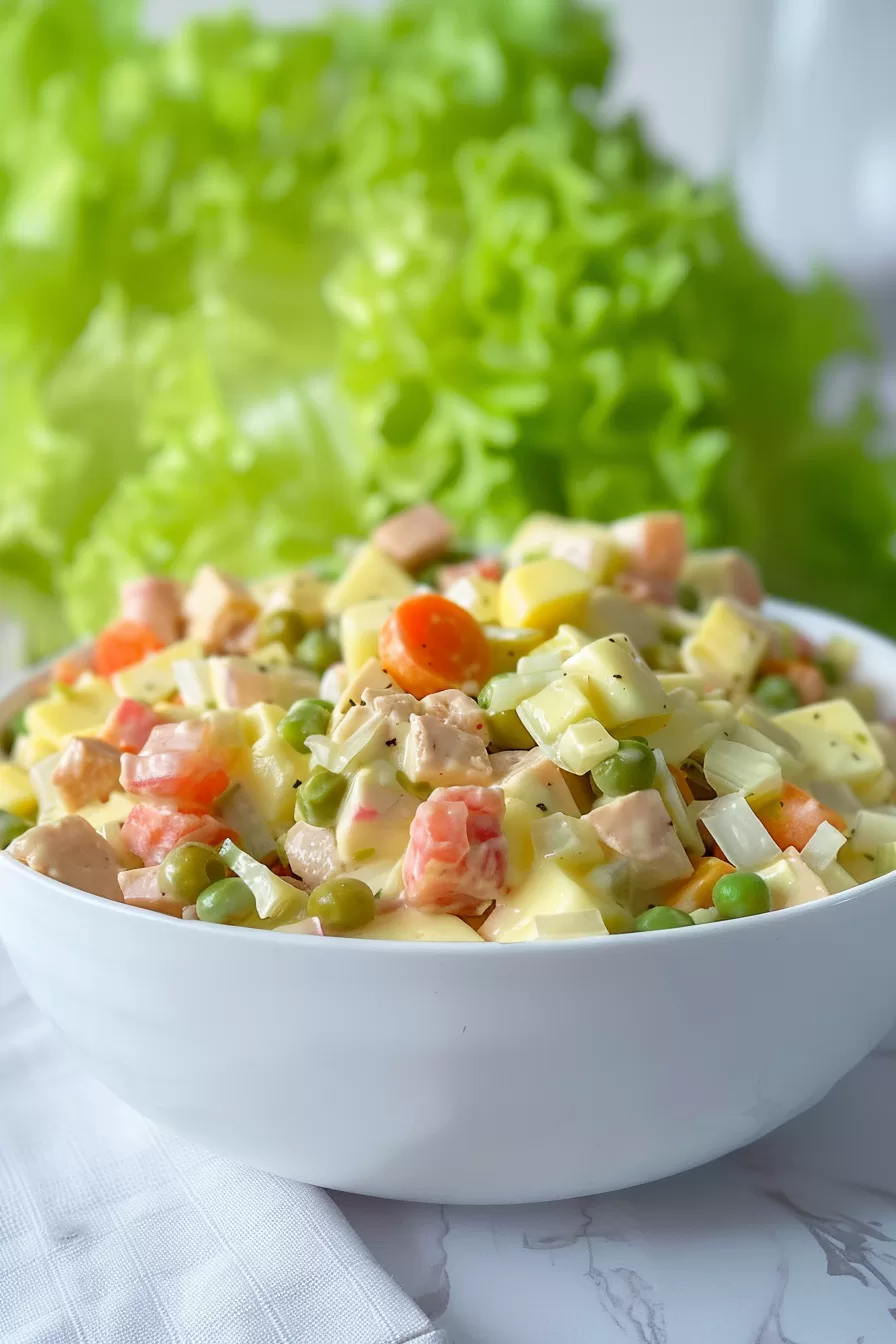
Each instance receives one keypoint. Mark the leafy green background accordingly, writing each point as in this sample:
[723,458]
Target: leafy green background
[259,286]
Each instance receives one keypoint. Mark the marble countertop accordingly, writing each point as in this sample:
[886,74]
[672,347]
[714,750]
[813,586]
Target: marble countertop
[790,1241]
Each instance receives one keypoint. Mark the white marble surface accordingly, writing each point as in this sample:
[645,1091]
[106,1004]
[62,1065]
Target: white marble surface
[790,1241]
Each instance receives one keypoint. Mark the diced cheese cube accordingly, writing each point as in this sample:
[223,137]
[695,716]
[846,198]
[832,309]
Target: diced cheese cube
[476,595]
[154,678]
[16,792]
[370,574]
[550,889]
[792,882]
[506,647]
[375,816]
[583,746]
[618,683]
[542,595]
[73,710]
[835,741]
[728,646]
[415,926]
[359,631]
[548,713]
[539,783]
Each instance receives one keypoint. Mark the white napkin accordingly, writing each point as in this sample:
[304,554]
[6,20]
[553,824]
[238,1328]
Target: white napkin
[113,1232]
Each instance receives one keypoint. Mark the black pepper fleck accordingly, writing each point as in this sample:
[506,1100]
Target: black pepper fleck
[391,741]
[542,807]
[297,784]
[617,676]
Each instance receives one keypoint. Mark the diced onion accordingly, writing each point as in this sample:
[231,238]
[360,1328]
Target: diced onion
[739,833]
[821,850]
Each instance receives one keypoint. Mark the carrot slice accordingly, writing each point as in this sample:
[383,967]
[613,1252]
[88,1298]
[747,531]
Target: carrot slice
[429,644]
[695,892]
[795,817]
[122,644]
[681,780]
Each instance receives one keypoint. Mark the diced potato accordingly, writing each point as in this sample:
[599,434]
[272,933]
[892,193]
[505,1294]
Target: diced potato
[583,746]
[359,631]
[682,681]
[792,882]
[731,767]
[572,842]
[549,890]
[375,816]
[553,653]
[506,647]
[415,926]
[508,690]
[476,595]
[542,595]
[16,792]
[518,820]
[154,678]
[835,741]
[73,710]
[273,771]
[728,646]
[572,924]
[550,712]
[620,686]
[540,784]
[370,574]
[609,611]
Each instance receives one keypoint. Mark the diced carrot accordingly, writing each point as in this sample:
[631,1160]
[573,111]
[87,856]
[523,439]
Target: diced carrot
[794,818]
[695,892]
[121,645]
[681,780]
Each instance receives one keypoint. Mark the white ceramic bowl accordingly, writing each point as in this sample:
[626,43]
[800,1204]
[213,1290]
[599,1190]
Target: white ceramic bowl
[468,1074]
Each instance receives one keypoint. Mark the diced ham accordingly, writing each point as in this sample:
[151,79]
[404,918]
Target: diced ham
[71,851]
[312,853]
[86,772]
[639,827]
[654,545]
[129,725]
[178,764]
[218,608]
[439,754]
[457,858]
[487,567]
[157,603]
[151,832]
[457,709]
[140,886]
[415,537]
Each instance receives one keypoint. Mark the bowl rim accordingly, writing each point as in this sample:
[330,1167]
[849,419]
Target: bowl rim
[18,694]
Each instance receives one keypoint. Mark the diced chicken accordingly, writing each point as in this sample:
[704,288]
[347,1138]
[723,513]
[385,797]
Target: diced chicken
[654,545]
[415,537]
[639,827]
[397,707]
[129,725]
[503,763]
[486,567]
[239,683]
[436,753]
[86,772]
[457,858]
[156,603]
[72,852]
[140,886]
[312,853]
[218,609]
[458,710]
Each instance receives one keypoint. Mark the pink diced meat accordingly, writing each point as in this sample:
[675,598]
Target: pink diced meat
[157,603]
[415,537]
[458,710]
[129,725]
[639,827]
[151,832]
[456,861]
[86,772]
[655,546]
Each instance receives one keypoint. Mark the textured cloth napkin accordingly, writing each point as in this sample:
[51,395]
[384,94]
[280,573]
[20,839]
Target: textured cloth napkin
[113,1232]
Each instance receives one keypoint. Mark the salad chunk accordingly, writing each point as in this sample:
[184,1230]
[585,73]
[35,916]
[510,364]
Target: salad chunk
[594,733]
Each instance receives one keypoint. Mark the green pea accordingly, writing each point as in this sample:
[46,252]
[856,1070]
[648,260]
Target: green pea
[303,720]
[320,796]
[283,626]
[662,917]
[507,732]
[737,895]
[188,870]
[630,768]
[11,827]
[228,901]
[829,670]
[318,651]
[688,597]
[342,904]
[777,693]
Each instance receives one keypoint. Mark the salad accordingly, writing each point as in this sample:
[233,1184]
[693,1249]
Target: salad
[592,733]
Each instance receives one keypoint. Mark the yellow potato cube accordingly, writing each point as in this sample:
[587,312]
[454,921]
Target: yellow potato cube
[370,574]
[76,709]
[620,686]
[153,678]
[582,746]
[506,647]
[543,594]
[550,890]
[835,741]
[548,713]
[415,926]
[16,793]
[476,595]
[727,647]
[359,631]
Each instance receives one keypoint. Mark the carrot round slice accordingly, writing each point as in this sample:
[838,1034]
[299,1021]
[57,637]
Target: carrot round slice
[429,644]
[123,644]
